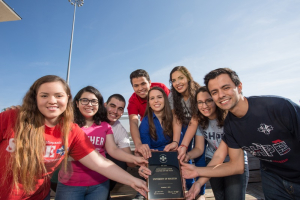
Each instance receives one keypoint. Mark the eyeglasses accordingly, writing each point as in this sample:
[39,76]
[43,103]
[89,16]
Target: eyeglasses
[208,102]
[85,101]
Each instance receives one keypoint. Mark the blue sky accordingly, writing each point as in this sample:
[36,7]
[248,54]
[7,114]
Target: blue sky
[258,39]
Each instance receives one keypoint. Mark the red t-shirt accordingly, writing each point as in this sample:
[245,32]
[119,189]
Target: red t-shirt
[79,146]
[137,105]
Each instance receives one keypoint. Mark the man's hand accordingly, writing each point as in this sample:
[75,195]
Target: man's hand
[194,191]
[144,150]
[189,171]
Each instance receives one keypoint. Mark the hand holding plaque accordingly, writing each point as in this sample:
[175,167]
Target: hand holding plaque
[144,172]
[165,181]
[189,170]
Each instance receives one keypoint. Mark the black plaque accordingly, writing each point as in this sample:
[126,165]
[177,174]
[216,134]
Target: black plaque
[165,181]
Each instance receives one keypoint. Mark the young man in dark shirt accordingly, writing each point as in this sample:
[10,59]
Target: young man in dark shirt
[268,127]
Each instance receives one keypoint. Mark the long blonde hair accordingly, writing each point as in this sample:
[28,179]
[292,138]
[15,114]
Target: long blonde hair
[27,162]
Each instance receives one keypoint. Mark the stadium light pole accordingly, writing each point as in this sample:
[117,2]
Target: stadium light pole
[78,3]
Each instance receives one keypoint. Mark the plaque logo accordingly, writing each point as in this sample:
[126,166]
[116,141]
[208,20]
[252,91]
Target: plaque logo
[163,158]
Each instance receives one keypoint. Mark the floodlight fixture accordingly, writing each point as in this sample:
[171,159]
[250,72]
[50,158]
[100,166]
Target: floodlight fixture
[79,3]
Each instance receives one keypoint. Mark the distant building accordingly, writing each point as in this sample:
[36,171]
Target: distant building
[7,13]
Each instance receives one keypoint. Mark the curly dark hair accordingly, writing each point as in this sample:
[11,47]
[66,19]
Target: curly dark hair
[100,116]
[204,121]
[167,117]
[192,87]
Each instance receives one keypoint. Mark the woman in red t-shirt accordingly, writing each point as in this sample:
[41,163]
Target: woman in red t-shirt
[35,139]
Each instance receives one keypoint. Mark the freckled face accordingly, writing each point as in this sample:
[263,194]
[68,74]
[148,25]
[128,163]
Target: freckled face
[52,101]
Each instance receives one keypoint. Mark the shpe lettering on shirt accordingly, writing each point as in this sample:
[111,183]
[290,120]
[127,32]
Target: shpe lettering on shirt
[277,146]
[213,135]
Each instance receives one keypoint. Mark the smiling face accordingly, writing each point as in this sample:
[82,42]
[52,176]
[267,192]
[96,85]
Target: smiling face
[156,101]
[224,92]
[52,101]
[141,86]
[89,110]
[206,105]
[115,109]
[180,82]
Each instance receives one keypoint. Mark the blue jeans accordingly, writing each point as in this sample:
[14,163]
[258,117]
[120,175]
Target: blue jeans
[230,187]
[94,192]
[275,187]
[48,196]
[199,162]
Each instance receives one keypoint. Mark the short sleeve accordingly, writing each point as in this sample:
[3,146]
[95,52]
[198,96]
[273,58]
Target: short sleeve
[166,89]
[108,129]
[228,136]
[289,113]
[199,131]
[144,132]
[170,98]
[80,145]
[132,108]
[121,136]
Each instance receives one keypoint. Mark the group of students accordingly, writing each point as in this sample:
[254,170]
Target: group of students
[214,125]
[171,122]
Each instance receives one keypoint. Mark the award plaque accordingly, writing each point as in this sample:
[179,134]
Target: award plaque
[165,181]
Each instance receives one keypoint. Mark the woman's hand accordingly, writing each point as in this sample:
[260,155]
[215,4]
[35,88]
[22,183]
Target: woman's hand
[144,172]
[181,152]
[194,191]
[139,160]
[189,171]
[171,147]
[140,186]
[187,157]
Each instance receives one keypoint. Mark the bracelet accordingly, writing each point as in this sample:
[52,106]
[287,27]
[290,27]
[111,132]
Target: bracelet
[176,143]
[182,145]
